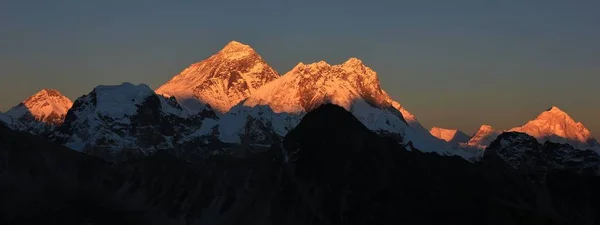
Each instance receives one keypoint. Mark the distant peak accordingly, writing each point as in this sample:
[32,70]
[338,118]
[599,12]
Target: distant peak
[486,127]
[234,46]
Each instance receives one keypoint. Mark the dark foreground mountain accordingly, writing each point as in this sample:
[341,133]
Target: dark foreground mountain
[330,169]
[524,152]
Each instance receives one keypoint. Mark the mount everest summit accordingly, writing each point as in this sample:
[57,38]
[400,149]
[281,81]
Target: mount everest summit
[221,81]
[229,141]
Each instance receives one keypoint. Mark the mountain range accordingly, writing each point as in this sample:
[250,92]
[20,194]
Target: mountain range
[230,141]
[234,98]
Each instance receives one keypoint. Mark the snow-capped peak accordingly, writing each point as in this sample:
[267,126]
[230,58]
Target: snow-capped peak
[483,137]
[221,81]
[236,47]
[110,115]
[449,135]
[48,106]
[557,126]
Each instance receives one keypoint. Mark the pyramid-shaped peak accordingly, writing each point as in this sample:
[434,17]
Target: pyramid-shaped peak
[557,126]
[221,81]
[47,105]
[234,46]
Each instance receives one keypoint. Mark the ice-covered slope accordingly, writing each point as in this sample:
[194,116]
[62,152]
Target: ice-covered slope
[557,126]
[483,137]
[449,135]
[222,80]
[125,117]
[351,85]
[40,113]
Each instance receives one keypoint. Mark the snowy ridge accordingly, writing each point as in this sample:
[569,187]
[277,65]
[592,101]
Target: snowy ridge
[221,81]
[557,126]
[351,85]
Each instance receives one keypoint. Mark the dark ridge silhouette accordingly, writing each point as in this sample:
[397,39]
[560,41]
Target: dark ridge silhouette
[330,169]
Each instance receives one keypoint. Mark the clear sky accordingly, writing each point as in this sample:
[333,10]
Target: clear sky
[454,64]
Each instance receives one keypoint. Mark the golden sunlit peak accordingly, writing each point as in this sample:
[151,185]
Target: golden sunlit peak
[486,127]
[51,92]
[554,108]
[236,46]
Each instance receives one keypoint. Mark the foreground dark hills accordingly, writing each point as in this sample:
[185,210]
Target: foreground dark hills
[330,169]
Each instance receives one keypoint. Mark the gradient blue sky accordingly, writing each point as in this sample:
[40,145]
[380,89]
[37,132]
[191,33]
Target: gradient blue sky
[455,64]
